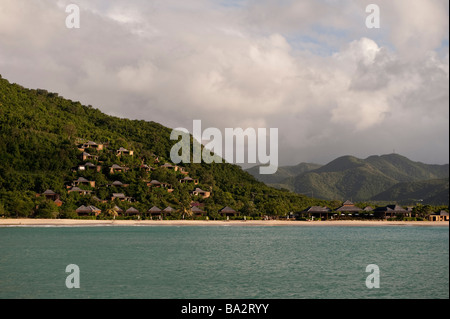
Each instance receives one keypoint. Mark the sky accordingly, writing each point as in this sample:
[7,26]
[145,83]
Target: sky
[310,68]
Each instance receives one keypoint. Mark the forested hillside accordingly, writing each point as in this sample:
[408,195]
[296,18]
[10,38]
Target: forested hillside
[40,136]
[375,178]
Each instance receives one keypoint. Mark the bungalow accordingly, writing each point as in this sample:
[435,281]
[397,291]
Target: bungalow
[348,208]
[49,194]
[118,184]
[90,144]
[390,211]
[87,210]
[117,169]
[86,156]
[187,179]
[121,197]
[316,211]
[83,181]
[441,216]
[155,211]
[89,165]
[170,166]
[227,211]
[132,211]
[168,210]
[95,198]
[78,190]
[146,168]
[124,151]
[169,188]
[201,193]
[154,183]
[58,202]
[197,211]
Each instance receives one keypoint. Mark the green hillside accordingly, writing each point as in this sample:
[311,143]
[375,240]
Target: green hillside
[283,175]
[39,135]
[348,177]
[430,192]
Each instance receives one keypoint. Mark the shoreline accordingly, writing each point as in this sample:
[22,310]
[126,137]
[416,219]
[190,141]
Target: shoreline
[24,222]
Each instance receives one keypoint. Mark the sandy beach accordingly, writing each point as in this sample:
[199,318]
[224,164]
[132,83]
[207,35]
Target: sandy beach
[83,222]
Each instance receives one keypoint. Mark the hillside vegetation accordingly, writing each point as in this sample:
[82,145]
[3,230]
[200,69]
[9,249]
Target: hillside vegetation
[389,177]
[39,135]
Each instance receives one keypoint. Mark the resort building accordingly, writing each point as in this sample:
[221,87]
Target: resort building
[146,168]
[197,211]
[315,212]
[83,181]
[201,193]
[228,211]
[87,210]
[117,169]
[51,195]
[90,144]
[121,197]
[170,166]
[441,216]
[390,211]
[86,156]
[124,151]
[348,209]
[132,211]
[155,212]
[154,184]
[168,211]
[76,189]
[188,179]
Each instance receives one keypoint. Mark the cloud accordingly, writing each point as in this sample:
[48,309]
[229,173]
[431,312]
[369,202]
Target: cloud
[310,68]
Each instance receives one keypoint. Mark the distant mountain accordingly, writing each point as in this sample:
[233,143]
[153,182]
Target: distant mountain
[348,177]
[430,192]
[283,175]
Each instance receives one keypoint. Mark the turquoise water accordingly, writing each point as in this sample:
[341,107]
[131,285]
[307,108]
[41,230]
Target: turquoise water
[224,262]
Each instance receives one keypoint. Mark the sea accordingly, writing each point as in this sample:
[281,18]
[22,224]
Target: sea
[224,262]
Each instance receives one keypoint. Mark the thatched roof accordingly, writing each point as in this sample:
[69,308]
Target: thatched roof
[195,209]
[317,209]
[49,192]
[227,209]
[391,209]
[154,209]
[132,210]
[87,209]
[168,209]
[348,208]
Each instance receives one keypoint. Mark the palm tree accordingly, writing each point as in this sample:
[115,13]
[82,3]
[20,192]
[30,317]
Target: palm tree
[112,212]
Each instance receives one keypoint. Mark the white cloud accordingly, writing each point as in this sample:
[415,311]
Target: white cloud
[310,68]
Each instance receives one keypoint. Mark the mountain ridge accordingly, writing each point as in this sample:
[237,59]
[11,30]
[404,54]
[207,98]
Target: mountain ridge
[360,179]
